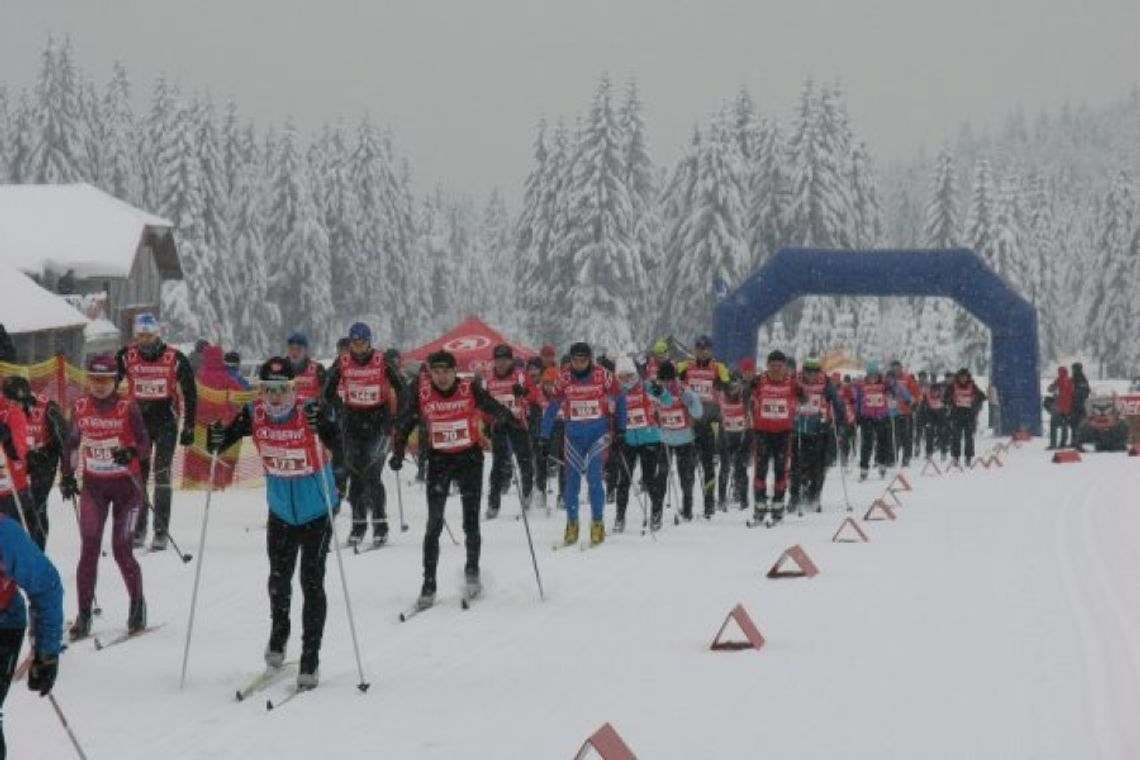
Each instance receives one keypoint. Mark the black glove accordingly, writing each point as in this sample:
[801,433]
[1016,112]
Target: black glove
[655,388]
[215,437]
[619,439]
[123,456]
[314,413]
[68,487]
[543,449]
[187,437]
[518,390]
[396,461]
[5,434]
[41,675]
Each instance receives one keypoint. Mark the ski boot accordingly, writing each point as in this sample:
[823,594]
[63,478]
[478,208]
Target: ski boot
[863,472]
[274,658]
[309,672]
[597,532]
[655,521]
[777,508]
[140,541]
[379,539]
[427,594]
[472,585]
[571,535]
[136,618]
[356,535]
[492,511]
[158,543]
[81,628]
[882,472]
[619,524]
[760,512]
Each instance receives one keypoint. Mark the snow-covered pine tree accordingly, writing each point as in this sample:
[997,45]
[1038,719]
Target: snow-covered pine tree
[598,243]
[91,129]
[57,151]
[161,121]
[22,141]
[1009,260]
[305,269]
[768,195]
[868,330]
[646,225]
[433,252]
[257,320]
[6,129]
[338,201]
[371,300]
[745,126]
[677,200]
[283,202]
[940,229]
[981,236]
[1115,293]
[1041,241]
[234,156]
[119,170]
[224,295]
[407,283]
[493,275]
[528,299]
[710,244]
[866,216]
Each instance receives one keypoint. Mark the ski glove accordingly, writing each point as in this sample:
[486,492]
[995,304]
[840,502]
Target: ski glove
[619,439]
[396,462]
[41,675]
[314,413]
[68,487]
[123,456]
[215,437]
[187,437]
[655,388]
[518,390]
[5,434]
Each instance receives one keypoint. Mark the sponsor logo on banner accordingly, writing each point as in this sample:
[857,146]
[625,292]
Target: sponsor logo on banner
[1129,406]
[468,343]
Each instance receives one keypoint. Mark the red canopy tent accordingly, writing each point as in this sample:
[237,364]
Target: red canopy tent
[471,342]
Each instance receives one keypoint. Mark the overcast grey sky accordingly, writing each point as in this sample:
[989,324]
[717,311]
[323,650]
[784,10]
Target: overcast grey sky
[462,83]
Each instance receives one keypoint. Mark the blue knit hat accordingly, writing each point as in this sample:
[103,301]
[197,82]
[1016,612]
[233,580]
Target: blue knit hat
[360,331]
[872,367]
[297,338]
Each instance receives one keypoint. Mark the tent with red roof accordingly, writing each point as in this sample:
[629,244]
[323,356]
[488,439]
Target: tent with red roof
[471,342]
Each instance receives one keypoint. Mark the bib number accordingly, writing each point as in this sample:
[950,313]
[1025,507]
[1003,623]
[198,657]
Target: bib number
[637,419]
[774,409]
[702,388]
[586,409]
[874,401]
[673,419]
[448,436]
[735,424]
[363,395]
[150,389]
[98,457]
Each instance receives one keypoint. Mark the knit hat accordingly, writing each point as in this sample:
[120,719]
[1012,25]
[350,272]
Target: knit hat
[102,365]
[625,366]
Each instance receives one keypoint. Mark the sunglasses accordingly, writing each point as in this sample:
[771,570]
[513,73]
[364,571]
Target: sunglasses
[276,386]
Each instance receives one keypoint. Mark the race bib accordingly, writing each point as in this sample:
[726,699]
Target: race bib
[774,409]
[448,436]
[509,401]
[810,407]
[150,388]
[362,395]
[636,419]
[285,463]
[673,419]
[702,388]
[585,409]
[98,457]
[874,401]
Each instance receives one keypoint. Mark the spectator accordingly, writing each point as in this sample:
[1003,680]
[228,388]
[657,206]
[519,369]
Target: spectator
[7,347]
[233,364]
[196,355]
[1061,416]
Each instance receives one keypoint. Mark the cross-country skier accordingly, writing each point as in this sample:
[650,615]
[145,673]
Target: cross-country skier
[24,568]
[160,378]
[820,406]
[108,440]
[452,409]
[643,443]
[964,399]
[309,375]
[704,375]
[370,387]
[46,427]
[774,397]
[293,437]
[536,407]
[934,422]
[873,398]
[659,356]
[735,443]
[902,411]
[14,494]
[590,397]
[679,407]
[511,388]
[555,454]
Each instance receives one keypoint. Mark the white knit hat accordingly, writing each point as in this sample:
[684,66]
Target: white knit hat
[624,366]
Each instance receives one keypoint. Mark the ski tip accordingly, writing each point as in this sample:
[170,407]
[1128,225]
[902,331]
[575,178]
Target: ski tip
[239,696]
[363,687]
[464,603]
[269,704]
[403,617]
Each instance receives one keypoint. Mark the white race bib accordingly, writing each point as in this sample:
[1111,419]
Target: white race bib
[98,457]
[585,409]
[285,463]
[448,436]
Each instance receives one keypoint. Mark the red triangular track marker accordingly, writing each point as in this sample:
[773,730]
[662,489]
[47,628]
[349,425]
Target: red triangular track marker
[900,483]
[880,506]
[606,744]
[930,464]
[849,523]
[1066,456]
[797,555]
[751,633]
[1135,450]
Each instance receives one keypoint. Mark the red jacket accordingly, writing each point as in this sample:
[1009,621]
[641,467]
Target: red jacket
[1063,387]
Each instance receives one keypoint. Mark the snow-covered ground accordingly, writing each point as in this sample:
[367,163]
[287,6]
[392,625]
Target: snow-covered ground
[998,617]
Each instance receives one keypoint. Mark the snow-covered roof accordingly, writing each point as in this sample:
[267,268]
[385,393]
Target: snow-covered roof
[26,307]
[100,328]
[79,227]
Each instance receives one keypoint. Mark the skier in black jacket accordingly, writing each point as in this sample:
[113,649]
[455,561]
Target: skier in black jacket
[159,377]
[964,399]
[451,409]
[368,386]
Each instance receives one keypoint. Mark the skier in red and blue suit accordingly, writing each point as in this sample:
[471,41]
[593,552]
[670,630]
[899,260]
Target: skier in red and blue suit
[591,397]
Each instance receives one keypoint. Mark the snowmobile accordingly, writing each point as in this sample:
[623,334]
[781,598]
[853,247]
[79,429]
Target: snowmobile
[1104,427]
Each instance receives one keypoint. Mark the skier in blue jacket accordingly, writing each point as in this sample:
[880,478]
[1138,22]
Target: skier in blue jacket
[591,399]
[23,567]
[291,438]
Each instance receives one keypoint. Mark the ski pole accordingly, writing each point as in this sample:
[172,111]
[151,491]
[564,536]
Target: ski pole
[640,500]
[198,570]
[95,608]
[15,491]
[363,685]
[400,502]
[170,537]
[526,525]
[842,470]
[63,721]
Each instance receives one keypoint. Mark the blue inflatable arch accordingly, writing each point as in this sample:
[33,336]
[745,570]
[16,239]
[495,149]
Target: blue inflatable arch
[959,274]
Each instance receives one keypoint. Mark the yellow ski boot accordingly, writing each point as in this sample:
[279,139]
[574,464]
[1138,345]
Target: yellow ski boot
[597,532]
[571,536]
